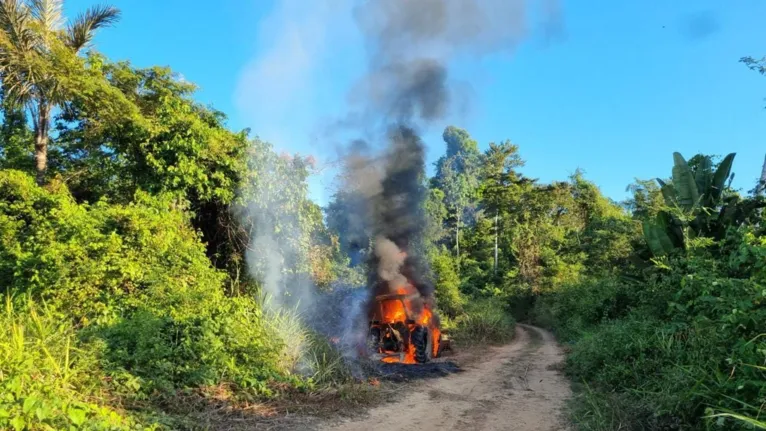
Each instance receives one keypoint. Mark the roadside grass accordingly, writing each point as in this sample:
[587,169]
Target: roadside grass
[51,380]
[484,321]
[594,410]
[55,378]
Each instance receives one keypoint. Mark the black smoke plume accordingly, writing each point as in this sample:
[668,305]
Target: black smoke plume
[411,45]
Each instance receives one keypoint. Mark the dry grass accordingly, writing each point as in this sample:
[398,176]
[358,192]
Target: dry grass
[214,408]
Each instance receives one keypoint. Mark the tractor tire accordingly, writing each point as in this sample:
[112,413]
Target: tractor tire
[421,339]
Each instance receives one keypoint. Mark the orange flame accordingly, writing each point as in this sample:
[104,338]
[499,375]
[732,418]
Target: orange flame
[402,309]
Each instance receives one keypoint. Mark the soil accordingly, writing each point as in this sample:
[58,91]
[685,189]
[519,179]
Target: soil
[513,387]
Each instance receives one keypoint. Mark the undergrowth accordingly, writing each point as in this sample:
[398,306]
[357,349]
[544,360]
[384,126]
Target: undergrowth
[684,349]
[50,379]
[135,316]
[484,321]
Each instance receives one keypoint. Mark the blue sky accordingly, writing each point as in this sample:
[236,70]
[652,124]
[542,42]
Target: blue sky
[625,84]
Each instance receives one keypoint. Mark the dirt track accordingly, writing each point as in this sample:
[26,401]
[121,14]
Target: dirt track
[517,387]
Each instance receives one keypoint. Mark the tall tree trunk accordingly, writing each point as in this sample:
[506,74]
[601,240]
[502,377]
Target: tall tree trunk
[457,240]
[762,182]
[497,214]
[41,140]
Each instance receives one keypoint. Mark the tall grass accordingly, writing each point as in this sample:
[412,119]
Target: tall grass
[753,423]
[681,350]
[49,380]
[325,362]
[484,321]
[304,350]
[287,325]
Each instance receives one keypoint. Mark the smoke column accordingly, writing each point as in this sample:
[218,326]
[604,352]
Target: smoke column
[411,46]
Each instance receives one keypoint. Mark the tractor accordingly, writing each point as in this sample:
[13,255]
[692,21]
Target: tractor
[398,333]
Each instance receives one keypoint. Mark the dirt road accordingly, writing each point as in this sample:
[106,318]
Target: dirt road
[517,387]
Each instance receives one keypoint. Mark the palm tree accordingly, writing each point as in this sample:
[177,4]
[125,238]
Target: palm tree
[32,33]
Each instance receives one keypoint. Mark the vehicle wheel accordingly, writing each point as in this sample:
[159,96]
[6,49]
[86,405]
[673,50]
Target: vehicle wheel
[438,350]
[421,339]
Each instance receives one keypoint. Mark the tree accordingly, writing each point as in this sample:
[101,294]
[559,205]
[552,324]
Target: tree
[460,143]
[607,231]
[757,64]
[457,175]
[32,36]
[458,188]
[647,199]
[436,213]
[160,140]
[499,176]
[172,143]
[347,218]
[762,180]
[15,140]
[699,202]
[278,223]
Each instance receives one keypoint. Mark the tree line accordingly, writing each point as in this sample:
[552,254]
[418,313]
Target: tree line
[128,209]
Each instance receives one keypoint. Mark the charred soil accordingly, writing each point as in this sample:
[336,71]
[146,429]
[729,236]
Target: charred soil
[517,386]
[513,387]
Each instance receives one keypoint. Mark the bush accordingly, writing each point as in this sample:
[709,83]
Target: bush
[96,261]
[136,278]
[579,306]
[51,380]
[484,321]
[221,340]
[702,353]
[677,374]
[447,283]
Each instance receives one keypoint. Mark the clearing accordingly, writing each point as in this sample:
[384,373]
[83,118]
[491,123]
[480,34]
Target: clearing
[513,387]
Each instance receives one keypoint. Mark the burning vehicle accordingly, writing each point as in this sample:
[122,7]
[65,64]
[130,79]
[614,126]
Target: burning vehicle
[403,328]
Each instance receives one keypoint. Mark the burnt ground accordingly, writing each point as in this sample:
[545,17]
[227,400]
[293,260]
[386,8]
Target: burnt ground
[401,373]
[513,387]
[295,410]
[518,386]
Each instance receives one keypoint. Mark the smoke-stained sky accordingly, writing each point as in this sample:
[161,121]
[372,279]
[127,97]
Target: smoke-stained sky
[620,86]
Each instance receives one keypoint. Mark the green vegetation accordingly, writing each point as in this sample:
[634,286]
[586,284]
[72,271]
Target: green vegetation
[485,321]
[50,378]
[127,211]
[661,299]
[676,339]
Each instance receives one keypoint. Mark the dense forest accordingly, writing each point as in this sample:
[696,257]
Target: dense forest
[137,237]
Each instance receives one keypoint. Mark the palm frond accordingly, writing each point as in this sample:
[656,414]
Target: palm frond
[48,13]
[15,20]
[80,32]
[18,43]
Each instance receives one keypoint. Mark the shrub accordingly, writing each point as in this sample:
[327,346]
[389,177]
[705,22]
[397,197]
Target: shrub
[137,278]
[675,373]
[49,379]
[484,321]
[700,353]
[221,340]
[447,283]
[579,306]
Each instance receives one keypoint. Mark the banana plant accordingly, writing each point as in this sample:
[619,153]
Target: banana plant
[684,183]
[696,206]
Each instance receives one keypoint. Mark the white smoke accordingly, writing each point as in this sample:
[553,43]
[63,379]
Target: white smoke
[277,252]
[277,257]
[411,46]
